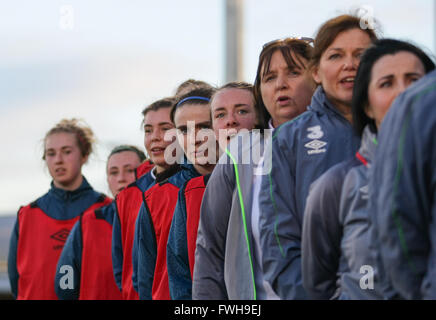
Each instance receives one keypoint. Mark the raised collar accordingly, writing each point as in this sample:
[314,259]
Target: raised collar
[70,195]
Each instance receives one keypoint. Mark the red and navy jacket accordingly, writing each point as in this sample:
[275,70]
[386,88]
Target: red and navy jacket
[88,253]
[143,169]
[127,204]
[182,238]
[39,236]
[153,226]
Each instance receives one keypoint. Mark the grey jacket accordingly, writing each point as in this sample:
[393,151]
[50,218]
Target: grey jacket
[322,233]
[403,191]
[340,244]
[224,255]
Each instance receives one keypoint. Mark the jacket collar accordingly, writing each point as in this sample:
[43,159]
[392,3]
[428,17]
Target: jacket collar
[70,195]
[368,145]
[321,104]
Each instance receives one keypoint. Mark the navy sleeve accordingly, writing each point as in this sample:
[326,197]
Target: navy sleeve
[147,253]
[135,247]
[322,233]
[117,248]
[179,273]
[280,225]
[70,264]
[208,279]
[12,261]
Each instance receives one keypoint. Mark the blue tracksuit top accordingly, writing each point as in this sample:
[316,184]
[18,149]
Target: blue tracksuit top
[58,204]
[301,150]
[143,183]
[179,272]
[403,191]
[145,243]
[72,255]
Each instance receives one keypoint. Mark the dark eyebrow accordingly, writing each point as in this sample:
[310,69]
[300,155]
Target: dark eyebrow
[341,49]
[268,73]
[208,122]
[414,74]
[219,109]
[159,124]
[390,76]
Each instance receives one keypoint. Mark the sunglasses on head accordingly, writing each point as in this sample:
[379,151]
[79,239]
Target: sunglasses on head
[284,40]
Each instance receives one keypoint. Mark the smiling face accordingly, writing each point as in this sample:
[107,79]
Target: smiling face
[232,109]
[195,134]
[64,160]
[286,91]
[156,125]
[390,76]
[338,67]
[121,170]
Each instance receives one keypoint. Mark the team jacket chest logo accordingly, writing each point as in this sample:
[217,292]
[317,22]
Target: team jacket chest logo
[364,192]
[315,146]
[61,235]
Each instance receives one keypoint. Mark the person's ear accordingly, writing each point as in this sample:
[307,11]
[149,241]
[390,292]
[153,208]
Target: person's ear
[368,111]
[84,159]
[315,75]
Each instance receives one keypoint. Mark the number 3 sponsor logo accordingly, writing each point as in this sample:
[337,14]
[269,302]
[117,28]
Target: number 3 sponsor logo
[315,132]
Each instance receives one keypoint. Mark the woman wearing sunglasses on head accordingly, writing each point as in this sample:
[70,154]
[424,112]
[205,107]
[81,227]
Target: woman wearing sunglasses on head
[306,147]
[228,252]
[340,246]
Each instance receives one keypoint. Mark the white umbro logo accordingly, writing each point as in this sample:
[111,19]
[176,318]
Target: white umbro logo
[316,145]
[364,190]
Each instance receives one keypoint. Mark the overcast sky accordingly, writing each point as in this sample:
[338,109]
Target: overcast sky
[104,61]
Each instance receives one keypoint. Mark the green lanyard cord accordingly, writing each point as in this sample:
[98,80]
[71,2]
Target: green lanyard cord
[241,201]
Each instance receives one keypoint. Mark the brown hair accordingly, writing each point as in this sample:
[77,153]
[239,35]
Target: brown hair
[190,85]
[159,104]
[205,93]
[328,32]
[84,135]
[292,50]
[128,147]
[243,86]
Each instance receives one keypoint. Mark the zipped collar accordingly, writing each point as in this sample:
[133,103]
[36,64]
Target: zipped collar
[367,147]
[320,104]
[66,195]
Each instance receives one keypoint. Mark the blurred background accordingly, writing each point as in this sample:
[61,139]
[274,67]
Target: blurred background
[104,61]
